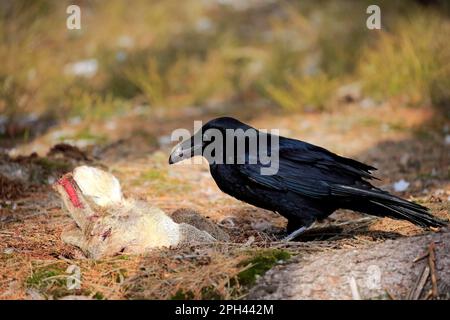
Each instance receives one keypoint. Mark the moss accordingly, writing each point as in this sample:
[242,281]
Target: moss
[425,175]
[41,276]
[260,263]
[51,281]
[49,165]
[210,293]
[46,167]
[120,275]
[182,295]
[98,296]
[423,134]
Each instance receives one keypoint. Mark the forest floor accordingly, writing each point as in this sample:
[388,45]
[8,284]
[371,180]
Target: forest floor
[409,144]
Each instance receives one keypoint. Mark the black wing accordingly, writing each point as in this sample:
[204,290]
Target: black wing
[318,174]
[309,170]
[302,152]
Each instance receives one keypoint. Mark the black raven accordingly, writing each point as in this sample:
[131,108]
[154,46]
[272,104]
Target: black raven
[310,183]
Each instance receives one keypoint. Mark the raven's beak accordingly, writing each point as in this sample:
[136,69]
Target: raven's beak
[185,150]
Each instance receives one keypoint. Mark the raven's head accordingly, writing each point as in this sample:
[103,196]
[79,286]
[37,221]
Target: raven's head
[196,144]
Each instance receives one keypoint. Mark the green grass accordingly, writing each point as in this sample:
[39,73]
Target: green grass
[412,60]
[155,174]
[46,167]
[50,281]
[87,135]
[303,93]
[50,165]
[293,54]
[160,182]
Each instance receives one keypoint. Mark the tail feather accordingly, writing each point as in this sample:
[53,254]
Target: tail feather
[421,218]
[380,203]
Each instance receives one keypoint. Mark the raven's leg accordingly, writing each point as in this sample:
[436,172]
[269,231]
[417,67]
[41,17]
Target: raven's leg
[295,234]
[296,228]
[303,229]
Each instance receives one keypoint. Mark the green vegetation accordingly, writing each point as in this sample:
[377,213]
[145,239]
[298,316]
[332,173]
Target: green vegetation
[46,275]
[175,54]
[50,281]
[99,296]
[160,181]
[181,295]
[85,135]
[413,59]
[154,174]
[260,263]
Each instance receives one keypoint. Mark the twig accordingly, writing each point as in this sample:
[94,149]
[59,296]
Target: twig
[418,288]
[390,295]
[428,295]
[425,255]
[432,264]
[250,240]
[354,289]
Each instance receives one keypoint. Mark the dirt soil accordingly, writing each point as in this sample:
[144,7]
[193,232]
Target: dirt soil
[403,143]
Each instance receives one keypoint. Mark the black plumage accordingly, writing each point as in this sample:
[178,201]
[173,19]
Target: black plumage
[311,182]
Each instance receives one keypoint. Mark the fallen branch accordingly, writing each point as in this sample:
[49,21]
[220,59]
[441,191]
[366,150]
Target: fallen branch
[432,264]
[416,291]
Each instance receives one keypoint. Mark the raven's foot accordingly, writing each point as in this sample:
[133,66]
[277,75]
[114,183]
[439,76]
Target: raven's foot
[313,228]
[295,234]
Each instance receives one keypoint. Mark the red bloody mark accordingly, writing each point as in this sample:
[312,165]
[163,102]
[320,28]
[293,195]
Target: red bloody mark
[71,192]
[106,234]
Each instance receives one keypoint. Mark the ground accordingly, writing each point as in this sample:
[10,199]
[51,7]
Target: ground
[402,142]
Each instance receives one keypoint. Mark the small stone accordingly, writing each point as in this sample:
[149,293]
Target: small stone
[350,92]
[164,141]
[367,103]
[404,159]
[84,68]
[447,139]
[401,185]
[8,251]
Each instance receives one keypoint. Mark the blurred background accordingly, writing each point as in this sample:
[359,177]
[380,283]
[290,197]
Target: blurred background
[214,55]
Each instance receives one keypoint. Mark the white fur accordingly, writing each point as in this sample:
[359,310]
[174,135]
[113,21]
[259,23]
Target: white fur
[100,186]
[123,225]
